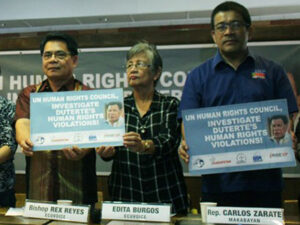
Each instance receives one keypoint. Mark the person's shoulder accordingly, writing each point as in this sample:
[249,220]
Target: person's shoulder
[202,71]
[204,66]
[83,86]
[29,89]
[266,62]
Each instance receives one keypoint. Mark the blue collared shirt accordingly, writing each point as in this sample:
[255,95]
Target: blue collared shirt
[215,83]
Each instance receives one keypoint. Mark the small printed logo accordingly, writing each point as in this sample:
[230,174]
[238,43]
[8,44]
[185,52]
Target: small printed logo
[241,158]
[77,138]
[92,138]
[59,140]
[198,163]
[40,140]
[257,158]
[278,155]
[218,162]
[259,74]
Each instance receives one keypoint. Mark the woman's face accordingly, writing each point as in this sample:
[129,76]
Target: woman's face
[139,73]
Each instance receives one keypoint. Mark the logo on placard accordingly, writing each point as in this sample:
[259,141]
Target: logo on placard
[92,138]
[77,138]
[59,140]
[198,163]
[40,140]
[257,157]
[241,158]
[278,155]
[220,162]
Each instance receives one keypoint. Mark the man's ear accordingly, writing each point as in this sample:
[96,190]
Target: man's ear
[250,32]
[213,35]
[75,60]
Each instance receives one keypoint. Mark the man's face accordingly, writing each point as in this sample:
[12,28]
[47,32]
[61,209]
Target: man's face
[278,129]
[58,64]
[113,113]
[233,39]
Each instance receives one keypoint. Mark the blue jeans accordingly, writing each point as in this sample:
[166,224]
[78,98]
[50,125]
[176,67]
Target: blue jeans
[8,198]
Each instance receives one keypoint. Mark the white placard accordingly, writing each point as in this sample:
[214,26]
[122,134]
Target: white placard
[56,212]
[135,211]
[239,215]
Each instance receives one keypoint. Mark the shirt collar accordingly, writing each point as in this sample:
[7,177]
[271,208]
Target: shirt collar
[155,104]
[217,60]
[45,86]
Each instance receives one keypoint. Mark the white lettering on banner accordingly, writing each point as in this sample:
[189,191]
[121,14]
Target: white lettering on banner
[88,79]
[163,79]
[121,81]
[12,96]
[13,83]
[106,80]
[174,93]
[167,79]
[179,78]
[18,82]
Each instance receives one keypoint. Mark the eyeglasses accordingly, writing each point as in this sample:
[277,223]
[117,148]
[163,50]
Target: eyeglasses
[58,55]
[138,65]
[234,25]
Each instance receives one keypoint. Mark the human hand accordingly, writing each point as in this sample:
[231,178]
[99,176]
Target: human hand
[75,153]
[106,151]
[26,146]
[133,141]
[182,151]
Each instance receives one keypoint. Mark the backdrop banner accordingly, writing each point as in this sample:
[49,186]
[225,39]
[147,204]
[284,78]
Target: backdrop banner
[103,68]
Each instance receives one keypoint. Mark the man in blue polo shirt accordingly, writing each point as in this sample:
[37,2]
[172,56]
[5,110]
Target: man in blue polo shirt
[234,75]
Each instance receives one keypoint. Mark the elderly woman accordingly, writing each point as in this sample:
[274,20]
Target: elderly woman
[147,167]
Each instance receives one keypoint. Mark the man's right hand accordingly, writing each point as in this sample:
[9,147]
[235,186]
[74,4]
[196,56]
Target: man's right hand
[23,136]
[26,146]
[183,148]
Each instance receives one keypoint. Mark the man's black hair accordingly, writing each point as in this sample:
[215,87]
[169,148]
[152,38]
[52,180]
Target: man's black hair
[282,117]
[119,104]
[57,36]
[231,6]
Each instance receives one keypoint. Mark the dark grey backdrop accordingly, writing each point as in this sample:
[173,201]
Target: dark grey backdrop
[104,68]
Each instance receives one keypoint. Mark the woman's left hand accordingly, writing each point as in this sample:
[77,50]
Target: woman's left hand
[133,141]
[75,153]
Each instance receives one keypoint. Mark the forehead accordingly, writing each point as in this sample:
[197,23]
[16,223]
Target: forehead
[55,45]
[113,106]
[139,57]
[227,16]
[277,121]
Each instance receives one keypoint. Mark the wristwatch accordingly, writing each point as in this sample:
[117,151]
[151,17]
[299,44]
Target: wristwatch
[146,146]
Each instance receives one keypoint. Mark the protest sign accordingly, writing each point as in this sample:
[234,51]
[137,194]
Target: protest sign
[238,137]
[64,119]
